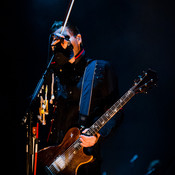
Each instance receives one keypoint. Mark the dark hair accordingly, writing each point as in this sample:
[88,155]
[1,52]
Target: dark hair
[57,24]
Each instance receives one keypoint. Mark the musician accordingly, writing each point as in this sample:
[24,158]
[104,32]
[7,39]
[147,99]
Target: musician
[68,66]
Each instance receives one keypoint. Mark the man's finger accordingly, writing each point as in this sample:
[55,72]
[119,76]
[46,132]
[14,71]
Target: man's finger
[84,143]
[64,44]
[83,139]
[55,42]
[57,38]
[84,130]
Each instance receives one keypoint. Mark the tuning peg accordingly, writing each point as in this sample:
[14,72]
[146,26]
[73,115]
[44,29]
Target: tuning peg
[146,84]
[145,73]
[135,82]
[140,78]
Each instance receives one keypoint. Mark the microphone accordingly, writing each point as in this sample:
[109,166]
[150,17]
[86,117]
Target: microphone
[61,38]
[56,38]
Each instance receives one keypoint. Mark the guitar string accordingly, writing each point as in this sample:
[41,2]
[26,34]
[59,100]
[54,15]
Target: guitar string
[111,113]
[71,149]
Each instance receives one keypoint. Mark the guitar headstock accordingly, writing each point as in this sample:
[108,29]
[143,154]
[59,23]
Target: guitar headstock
[145,81]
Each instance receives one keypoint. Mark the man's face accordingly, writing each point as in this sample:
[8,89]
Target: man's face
[75,40]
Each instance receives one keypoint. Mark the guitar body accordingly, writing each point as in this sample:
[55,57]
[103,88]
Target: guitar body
[63,159]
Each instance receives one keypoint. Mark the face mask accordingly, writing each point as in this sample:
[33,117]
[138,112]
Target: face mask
[62,56]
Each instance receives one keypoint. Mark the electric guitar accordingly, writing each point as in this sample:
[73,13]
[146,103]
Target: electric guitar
[66,158]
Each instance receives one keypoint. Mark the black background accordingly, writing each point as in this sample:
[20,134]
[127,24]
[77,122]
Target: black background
[133,35]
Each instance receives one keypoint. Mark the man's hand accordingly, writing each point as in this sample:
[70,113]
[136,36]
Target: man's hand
[88,141]
[59,38]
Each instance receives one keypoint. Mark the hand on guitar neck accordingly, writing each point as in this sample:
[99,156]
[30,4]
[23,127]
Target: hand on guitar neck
[88,141]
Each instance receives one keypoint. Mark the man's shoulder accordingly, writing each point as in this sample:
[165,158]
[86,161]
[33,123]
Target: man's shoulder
[101,63]
[102,68]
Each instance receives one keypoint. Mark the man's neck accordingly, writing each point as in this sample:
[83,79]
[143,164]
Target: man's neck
[77,56]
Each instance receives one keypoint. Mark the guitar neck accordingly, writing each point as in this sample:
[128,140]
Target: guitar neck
[110,112]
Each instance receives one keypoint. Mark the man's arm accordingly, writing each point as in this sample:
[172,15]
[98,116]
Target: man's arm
[110,96]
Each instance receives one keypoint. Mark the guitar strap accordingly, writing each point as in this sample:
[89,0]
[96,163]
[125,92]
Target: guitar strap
[86,92]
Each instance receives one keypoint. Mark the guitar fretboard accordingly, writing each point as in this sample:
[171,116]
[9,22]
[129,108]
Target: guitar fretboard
[110,112]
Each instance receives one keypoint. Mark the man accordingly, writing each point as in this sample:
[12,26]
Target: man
[68,66]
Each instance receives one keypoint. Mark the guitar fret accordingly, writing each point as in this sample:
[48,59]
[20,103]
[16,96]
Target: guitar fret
[104,117]
[112,111]
[101,121]
[98,124]
[91,131]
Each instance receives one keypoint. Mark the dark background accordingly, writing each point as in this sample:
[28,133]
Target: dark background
[133,35]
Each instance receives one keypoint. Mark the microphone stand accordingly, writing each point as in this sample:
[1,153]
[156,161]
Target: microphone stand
[41,81]
[28,121]
[36,91]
